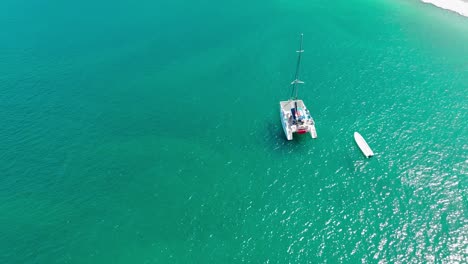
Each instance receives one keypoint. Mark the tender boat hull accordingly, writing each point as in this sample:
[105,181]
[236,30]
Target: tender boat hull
[362,144]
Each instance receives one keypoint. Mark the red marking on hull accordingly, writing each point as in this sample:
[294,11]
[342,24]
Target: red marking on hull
[301,131]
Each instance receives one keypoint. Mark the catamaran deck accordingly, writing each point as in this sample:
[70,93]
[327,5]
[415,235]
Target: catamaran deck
[299,115]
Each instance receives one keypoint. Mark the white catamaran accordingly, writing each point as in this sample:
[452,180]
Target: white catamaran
[294,114]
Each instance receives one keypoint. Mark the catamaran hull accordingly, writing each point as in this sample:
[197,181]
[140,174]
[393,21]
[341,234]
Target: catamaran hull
[287,131]
[313,132]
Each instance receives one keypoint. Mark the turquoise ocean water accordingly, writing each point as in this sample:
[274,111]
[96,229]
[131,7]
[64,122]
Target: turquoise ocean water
[148,132]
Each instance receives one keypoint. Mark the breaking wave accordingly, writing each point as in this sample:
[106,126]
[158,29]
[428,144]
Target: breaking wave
[459,6]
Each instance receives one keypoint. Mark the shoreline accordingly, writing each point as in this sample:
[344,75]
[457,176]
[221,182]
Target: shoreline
[457,6]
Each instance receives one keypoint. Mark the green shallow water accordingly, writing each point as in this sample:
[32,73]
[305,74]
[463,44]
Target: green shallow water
[149,132]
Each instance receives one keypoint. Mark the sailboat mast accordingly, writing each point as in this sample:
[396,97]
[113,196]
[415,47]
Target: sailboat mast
[296,76]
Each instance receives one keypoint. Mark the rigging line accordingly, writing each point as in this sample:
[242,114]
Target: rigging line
[296,76]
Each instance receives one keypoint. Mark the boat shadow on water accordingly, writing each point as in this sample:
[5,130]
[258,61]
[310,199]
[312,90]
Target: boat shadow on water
[277,141]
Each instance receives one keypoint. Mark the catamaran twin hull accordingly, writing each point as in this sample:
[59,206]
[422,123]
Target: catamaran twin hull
[295,118]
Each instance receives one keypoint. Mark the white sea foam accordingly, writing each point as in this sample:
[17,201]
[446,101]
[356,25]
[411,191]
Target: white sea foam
[459,6]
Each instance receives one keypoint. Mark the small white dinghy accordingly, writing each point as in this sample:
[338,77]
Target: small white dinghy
[366,150]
